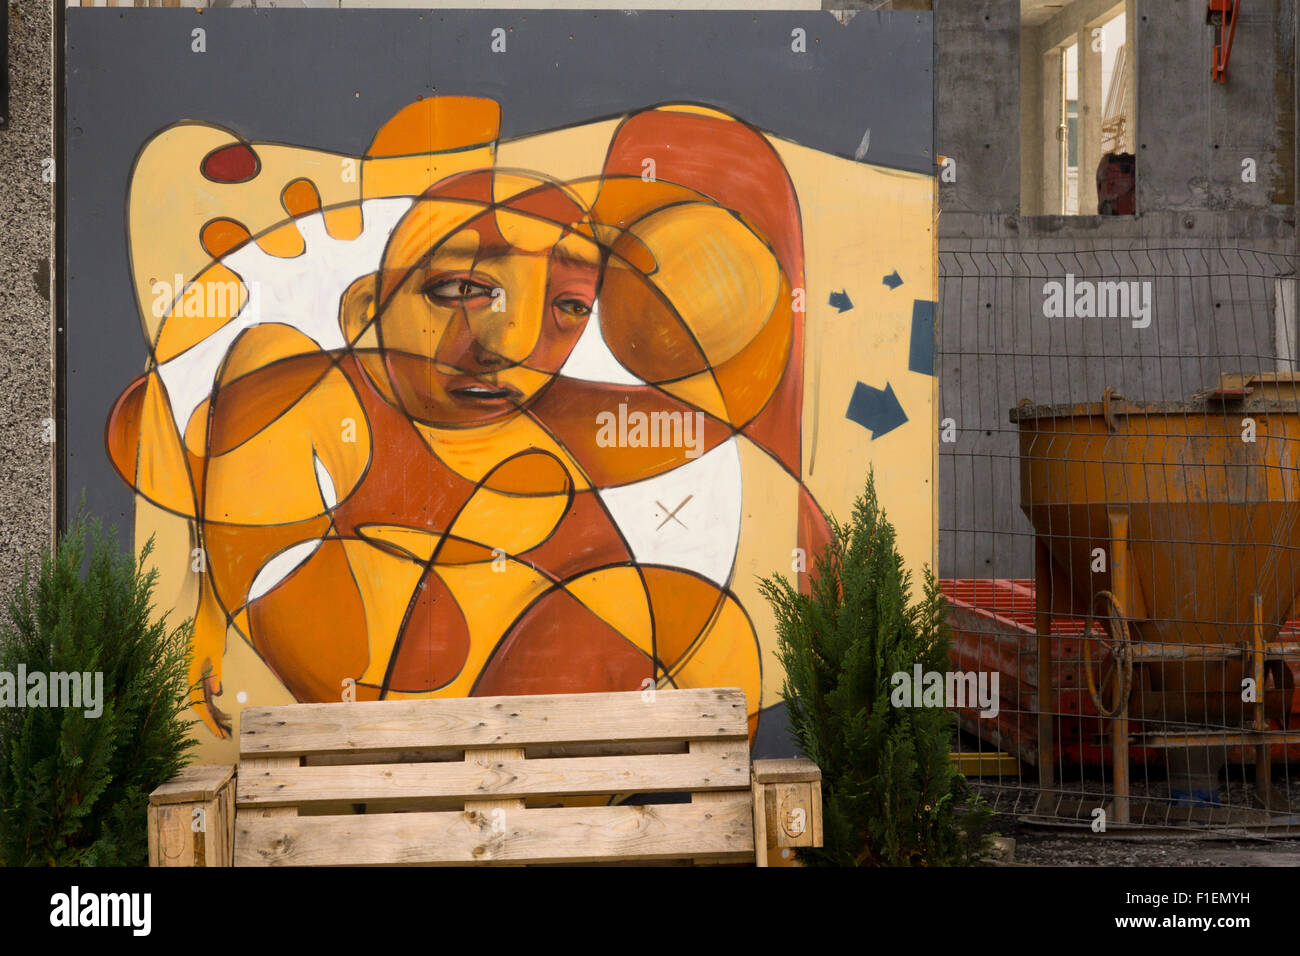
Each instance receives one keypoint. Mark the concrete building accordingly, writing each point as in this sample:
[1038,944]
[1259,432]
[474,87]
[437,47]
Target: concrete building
[1023,98]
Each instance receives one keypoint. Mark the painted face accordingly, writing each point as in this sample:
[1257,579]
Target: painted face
[486,286]
[480,328]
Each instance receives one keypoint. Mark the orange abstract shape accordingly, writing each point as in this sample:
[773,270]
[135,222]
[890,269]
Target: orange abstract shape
[722,158]
[748,380]
[643,331]
[719,279]
[682,605]
[437,124]
[559,646]
[300,198]
[265,345]
[237,556]
[220,236]
[145,447]
[570,411]
[726,655]
[434,643]
[311,644]
[428,141]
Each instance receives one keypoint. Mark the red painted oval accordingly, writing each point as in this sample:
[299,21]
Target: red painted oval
[236,163]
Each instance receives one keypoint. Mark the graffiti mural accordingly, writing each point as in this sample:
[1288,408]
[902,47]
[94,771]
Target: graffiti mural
[468,415]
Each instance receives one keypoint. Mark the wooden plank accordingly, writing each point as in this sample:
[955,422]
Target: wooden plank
[721,753]
[256,765]
[495,813]
[716,749]
[567,835]
[171,835]
[457,754]
[727,769]
[476,722]
[758,794]
[197,783]
[790,770]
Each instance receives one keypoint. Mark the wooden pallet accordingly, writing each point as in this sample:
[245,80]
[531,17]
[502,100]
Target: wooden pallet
[499,780]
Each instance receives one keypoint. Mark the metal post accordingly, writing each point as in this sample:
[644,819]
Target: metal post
[1120,581]
[1043,626]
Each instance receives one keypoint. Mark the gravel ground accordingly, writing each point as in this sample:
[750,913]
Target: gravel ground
[1076,845]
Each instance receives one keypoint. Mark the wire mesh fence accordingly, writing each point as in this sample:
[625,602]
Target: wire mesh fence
[1119,530]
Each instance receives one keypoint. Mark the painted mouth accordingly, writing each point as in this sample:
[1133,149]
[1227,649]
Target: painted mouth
[486,393]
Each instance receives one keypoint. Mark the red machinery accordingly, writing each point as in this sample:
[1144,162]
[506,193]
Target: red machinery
[1223,15]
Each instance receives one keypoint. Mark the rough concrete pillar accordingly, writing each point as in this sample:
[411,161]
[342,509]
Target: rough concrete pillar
[26,236]
[1090,109]
[1053,190]
[978,118]
[1131,84]
[1031,124]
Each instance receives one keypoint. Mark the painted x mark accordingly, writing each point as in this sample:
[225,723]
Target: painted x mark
[672,514]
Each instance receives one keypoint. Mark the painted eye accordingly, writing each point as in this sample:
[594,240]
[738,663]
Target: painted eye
[575,308]
[457,290]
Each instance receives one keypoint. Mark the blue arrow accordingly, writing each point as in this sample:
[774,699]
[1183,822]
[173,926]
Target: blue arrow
[878,412]
[893,281]
[841,301]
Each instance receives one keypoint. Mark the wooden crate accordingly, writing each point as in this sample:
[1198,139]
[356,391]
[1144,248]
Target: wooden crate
[511,780]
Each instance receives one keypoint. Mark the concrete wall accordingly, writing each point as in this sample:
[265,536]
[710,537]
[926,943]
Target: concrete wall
[979,67]
[1220,254]
[26,236]
[1190,155]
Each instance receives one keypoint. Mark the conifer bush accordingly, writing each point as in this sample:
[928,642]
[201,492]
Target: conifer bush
[74,789]
[890,791]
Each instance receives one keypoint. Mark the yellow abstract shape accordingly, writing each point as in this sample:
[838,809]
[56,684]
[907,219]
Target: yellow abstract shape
[490,601]
[279,457]
[715,272]
[520,505]
[701,391]
[344,223]
[208,647]
[769,533]
[385,582]
[262,345]
[725,655]
[617,596]
[283,242]
[748,380]
[472,453]
[412,175]
[161,470]
[203,307]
